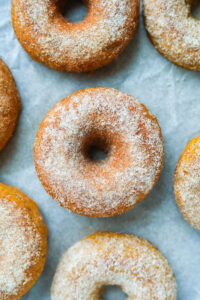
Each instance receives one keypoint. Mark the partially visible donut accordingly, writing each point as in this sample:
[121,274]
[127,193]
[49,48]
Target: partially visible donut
[174,31]
[113,259]
[10,104]
[23,243]
[54,41]
[187,183]
[108,119]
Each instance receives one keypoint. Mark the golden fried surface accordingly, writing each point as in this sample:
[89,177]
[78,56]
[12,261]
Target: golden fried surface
[96,41]
[10,104]
[23,243]
[108,119]
[113,259]
[187,183]
[174,31]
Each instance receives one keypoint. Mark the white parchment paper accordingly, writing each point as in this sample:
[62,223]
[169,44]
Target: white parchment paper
[171,93]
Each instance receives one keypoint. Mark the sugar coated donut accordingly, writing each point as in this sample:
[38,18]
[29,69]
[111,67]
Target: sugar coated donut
[113,259]
[10,104]
[174,31]
[23,243]
[187,183]
[51,39]
[113,121]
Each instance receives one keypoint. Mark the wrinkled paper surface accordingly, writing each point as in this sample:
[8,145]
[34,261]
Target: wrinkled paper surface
[170,92]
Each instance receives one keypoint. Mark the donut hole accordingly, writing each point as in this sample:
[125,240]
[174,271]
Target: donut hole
[96,148]
[195,9]
[113,292]
[74,11]
[96,153]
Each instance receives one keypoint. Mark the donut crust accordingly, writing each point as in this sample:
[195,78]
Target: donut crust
[75,47]
[187,183]
[10,104]
[131,168]
[26,214]
[174,31]
[113,259]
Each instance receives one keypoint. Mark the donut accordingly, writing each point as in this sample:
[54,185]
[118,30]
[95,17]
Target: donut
[109,120]
[113,259]
[23,243]
[174,31]
[187,183]
[51,39]
[10,104]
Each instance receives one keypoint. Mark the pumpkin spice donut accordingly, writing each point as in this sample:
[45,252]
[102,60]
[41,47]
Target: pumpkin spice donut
[10,104]
[23,243]
[109,120]
[51,39]
[113,259]
[174,31]
[187,183]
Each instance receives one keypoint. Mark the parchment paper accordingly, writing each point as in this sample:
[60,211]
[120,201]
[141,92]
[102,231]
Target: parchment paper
[170,92]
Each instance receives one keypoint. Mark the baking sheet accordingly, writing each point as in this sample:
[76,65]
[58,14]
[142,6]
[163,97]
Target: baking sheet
[171,93]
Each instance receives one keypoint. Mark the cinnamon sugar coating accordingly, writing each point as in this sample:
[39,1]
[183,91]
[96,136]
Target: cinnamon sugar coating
[85,46]
[110,119]
[187,183]
[113,259]
[174,31]
[10,104]
[23,243]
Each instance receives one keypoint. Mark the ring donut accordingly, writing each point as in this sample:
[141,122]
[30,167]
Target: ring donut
[10,104]
[113,259]
[23,243]
[187,183]
[51,39]
[174,31]
[110,120]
